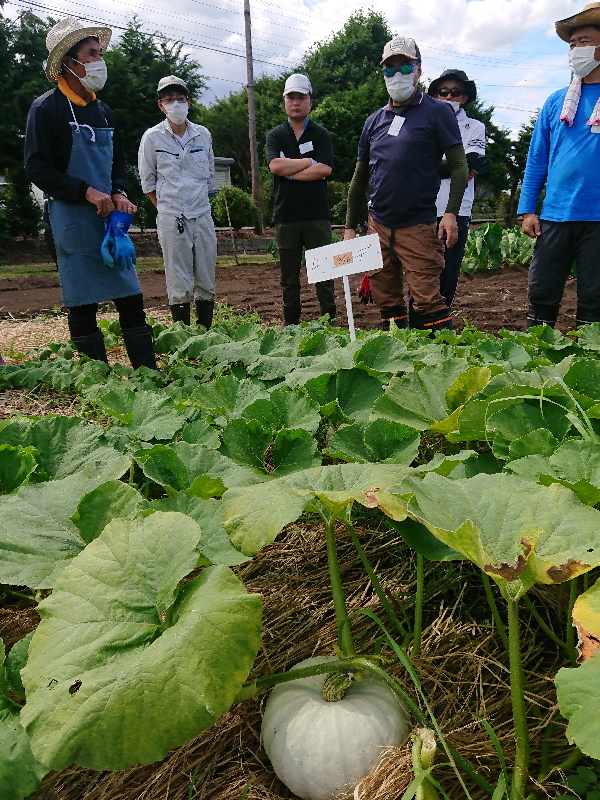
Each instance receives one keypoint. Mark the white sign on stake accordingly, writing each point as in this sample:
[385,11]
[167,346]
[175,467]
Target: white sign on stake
[341,259]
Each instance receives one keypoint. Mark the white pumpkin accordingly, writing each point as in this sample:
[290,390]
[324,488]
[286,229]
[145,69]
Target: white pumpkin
[320,749]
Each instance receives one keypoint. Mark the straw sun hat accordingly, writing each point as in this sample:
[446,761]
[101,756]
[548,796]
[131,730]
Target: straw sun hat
[61,38]
[589,16]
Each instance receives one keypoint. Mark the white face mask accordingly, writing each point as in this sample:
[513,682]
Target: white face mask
[95,75]
[455,105]
[582,61]
[176,111]
[400,87]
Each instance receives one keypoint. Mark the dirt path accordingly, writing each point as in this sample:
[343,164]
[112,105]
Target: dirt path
[489,300]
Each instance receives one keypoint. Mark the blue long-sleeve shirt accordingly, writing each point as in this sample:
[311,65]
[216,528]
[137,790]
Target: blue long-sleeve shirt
[567,160]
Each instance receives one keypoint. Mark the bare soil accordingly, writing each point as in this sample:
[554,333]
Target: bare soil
[489,300]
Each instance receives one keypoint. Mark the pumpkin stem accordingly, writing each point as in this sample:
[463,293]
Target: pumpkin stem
[335,685]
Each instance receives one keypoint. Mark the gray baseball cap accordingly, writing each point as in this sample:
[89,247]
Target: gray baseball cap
[171,80]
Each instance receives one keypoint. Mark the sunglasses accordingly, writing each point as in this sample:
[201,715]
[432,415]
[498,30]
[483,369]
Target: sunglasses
[451,92]
[403,69]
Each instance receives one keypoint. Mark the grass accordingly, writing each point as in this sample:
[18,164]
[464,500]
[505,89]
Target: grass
[11,271]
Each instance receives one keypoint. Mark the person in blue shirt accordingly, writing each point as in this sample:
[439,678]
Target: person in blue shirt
[564,156]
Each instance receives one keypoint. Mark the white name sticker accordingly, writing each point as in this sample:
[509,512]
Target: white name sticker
[595,128]
[306,147]
[394,128]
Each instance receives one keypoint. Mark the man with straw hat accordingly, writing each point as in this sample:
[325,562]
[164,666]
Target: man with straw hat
[73,152]
[564,155]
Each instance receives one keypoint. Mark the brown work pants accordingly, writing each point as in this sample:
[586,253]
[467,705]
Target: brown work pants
[418,251]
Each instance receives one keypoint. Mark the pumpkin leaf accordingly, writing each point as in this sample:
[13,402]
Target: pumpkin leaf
[512,529]
[16,465]
[20,772]
[177,466]
[153,664]
[254,515]
[418,399]
[574,464]
[215,544]
[107,501]
[284,409]
[37,536]
[578,694]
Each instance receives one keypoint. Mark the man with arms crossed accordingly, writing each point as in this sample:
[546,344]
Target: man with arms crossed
[300,156]
[399,157]
[564,155]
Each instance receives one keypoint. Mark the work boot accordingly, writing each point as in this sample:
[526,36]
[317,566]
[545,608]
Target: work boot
[436,321]
[397,313]
[291,314]
[180,312]
[541,315]
[139,344]
[331,310]
[586,316]
[91,346]
[204,312]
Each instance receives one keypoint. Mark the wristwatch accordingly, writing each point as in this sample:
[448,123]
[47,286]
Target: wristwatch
[120,191]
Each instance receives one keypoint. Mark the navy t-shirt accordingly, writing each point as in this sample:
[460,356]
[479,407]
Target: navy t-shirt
[404,168]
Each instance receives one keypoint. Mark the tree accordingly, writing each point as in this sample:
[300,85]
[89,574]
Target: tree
[22,54]
[135,65]
[347,87]
[516,167]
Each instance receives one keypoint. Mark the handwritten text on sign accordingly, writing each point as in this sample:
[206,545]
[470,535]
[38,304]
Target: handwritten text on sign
[344,258]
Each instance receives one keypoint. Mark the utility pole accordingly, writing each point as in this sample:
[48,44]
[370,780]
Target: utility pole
[252,117]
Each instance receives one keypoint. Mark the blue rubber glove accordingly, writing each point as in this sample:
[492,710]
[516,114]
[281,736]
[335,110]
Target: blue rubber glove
[117,248]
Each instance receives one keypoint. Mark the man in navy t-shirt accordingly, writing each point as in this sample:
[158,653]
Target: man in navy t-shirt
[399,156]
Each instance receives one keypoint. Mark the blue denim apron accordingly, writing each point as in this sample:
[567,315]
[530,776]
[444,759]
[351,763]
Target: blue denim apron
[79,231]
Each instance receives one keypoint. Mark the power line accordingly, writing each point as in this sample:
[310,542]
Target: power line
[32,3]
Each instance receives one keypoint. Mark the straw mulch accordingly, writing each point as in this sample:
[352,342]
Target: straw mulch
[19,337]
[462,666]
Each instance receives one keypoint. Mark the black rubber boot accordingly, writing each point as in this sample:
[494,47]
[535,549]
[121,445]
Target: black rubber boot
[181,312]
[541,315]
[331,310]
[140,347]
[291,315]
[204,312]
[586,316]
[91,346]
[397,313]
[436,321]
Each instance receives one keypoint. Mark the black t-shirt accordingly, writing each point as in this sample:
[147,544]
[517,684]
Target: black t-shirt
[300,199]
[48,140]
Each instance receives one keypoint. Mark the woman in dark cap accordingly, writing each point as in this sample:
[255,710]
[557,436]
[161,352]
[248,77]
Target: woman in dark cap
[454,87]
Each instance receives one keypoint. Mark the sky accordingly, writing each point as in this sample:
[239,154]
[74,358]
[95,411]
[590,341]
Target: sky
[508,47]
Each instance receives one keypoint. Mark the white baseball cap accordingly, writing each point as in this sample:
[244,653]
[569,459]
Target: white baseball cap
[401,46]
[297,83]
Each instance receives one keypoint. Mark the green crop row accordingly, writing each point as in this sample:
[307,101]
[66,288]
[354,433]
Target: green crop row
[492,246]
[247,429]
